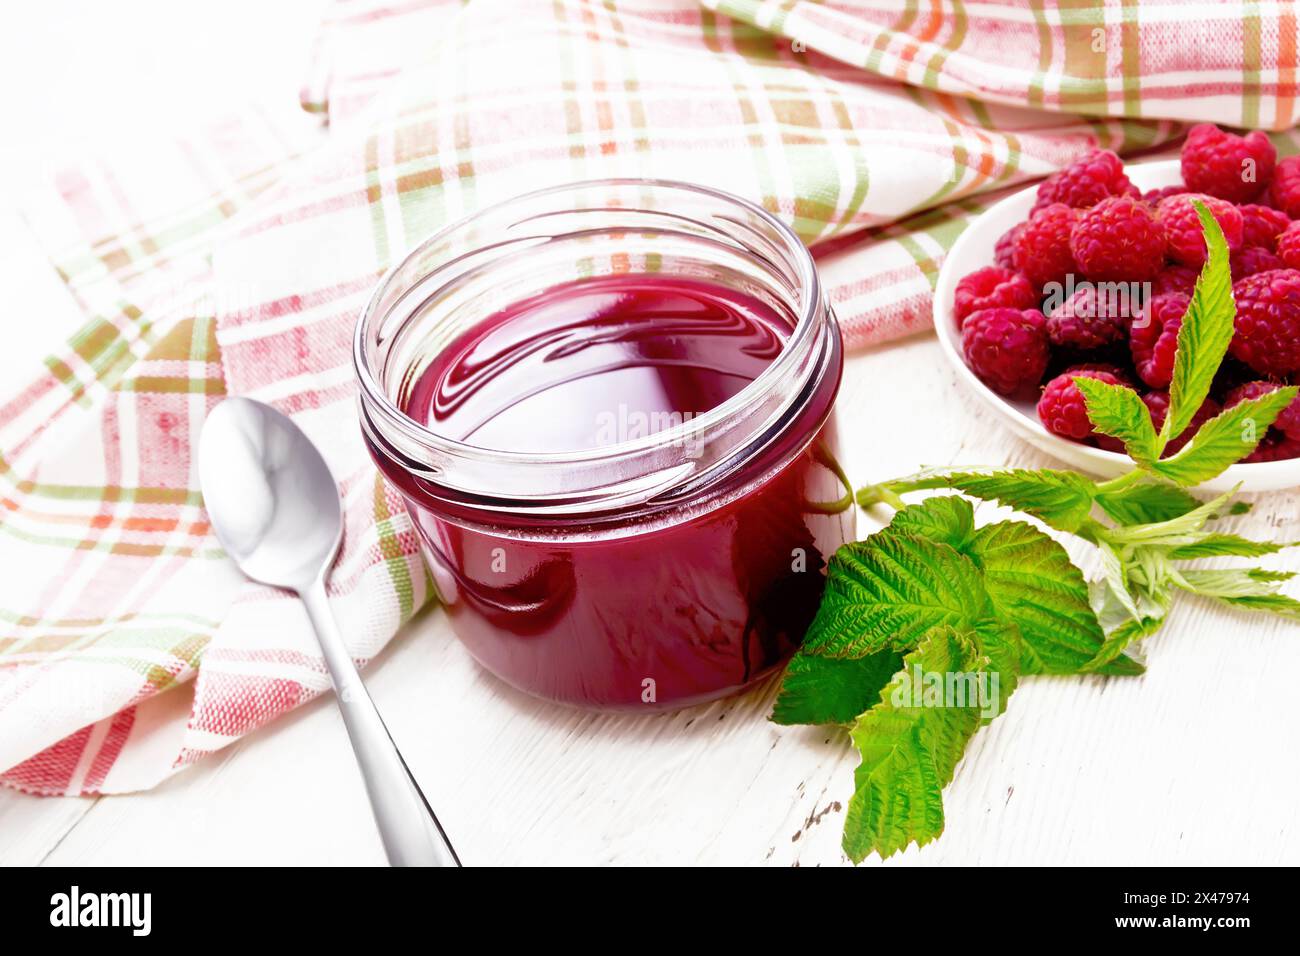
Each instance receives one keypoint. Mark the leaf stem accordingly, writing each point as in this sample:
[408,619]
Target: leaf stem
[1120,483]
[869,495]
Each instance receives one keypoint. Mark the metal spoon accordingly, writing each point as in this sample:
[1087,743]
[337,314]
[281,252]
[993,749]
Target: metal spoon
[275,508]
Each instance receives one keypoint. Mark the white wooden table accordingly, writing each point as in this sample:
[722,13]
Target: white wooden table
[1195,763]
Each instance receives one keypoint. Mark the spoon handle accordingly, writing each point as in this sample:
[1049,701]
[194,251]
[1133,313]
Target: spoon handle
[411,834]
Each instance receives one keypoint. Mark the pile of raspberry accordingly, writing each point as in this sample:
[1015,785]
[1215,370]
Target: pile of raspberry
[1096,282]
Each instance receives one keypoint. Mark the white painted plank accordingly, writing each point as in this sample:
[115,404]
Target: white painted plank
[30,827]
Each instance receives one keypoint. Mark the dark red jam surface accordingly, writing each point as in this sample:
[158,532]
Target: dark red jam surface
[650,607]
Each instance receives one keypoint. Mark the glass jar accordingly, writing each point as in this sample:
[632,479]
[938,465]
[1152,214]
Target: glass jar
[653,569]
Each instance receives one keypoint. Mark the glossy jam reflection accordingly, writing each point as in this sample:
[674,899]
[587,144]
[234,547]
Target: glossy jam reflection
[592,363]
[650,607]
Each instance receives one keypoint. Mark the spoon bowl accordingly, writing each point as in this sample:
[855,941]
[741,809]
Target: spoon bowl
[275,509]
[269,493]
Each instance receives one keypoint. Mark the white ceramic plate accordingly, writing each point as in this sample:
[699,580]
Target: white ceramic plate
[973,250]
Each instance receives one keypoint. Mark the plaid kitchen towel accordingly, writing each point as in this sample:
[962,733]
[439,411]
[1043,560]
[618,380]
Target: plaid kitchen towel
[129,645]
[1226,62]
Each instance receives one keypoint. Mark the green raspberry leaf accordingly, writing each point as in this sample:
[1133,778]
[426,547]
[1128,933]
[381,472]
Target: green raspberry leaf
[1234,582]
[1128,613]
[1205,333]
[1173,533]
[1030,580]
[1148,502]
[1226,438]
[946,518]
[832,690]
[1002,649]
[1215,544]
[1060,499]
[909,752]
[1116,410]
[1254,589]
[1278,604]
[1116,582]
[1120,639]
[889,590]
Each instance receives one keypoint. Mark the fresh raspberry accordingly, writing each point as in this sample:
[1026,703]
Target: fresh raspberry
[1288,423]
[1086,181]
[1235,168]
[1183,226]
[1005,246]
[1175,279]
[1284,191]
[1158,404]
[1154,341]
[1042,247]
[1118,240]
[1086,321]
[990,288]
[1062,409]
[1252,259]
[1209,409]
[1267,336]
[1275,447]
[1154,196]
[1108,443]
[1288,247]
[1006,348]
[1261,225]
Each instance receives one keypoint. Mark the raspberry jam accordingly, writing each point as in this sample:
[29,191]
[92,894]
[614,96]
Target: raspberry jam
[597,361]
[624,484]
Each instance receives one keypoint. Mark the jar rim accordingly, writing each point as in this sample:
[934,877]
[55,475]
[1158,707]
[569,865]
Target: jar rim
[812,315]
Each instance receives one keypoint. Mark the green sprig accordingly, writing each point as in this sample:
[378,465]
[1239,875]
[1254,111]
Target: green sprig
[933,592]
